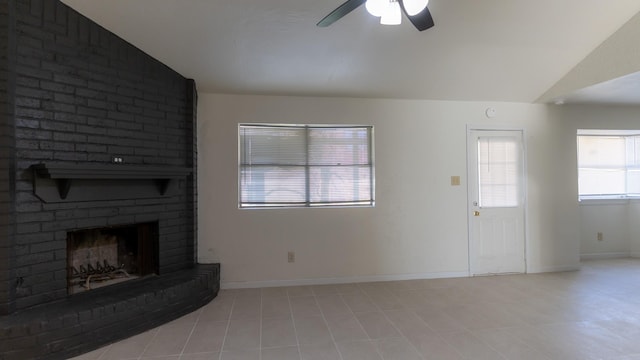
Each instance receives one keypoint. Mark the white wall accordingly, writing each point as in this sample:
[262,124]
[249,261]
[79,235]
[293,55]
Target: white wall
[617,220]
[418,227]
[634,229]
[612,220]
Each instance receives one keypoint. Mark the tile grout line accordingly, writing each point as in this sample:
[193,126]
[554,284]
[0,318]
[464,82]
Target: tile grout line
[293,321]
[326,323]
[404,307]
[437,333]
[260,334]
[106,350]
[464,329]
[361,291]
[386,317]
[390,322]
[190,334]
[226,331]
[157,330]
[353,312]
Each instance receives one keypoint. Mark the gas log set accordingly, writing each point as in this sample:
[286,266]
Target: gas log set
[104,272]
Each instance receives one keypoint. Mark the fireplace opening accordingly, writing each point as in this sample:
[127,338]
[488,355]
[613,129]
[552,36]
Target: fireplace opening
[106,256]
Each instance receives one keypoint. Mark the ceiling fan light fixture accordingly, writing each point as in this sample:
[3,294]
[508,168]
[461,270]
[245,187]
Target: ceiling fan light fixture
[392,14]
[376,7]
[415,7]
[389,11]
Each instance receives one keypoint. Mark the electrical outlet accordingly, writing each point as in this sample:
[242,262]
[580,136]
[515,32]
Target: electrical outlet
[600,237]
[291,256]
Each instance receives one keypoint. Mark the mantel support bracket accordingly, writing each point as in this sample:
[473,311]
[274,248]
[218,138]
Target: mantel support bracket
[64,185]
[163,185]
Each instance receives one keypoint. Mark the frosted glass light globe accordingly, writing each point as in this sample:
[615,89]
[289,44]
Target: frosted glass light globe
[392,14]
[376,7]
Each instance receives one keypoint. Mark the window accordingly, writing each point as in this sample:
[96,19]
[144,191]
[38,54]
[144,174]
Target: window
[608,164]
[498,166]
[305,165]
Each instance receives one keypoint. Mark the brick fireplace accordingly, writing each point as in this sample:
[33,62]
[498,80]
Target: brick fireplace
[96,138]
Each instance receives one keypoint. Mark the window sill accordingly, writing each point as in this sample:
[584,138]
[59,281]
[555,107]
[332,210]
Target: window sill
[285,207]
[607,201]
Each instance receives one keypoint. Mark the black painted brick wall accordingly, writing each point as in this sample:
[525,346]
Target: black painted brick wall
[192,180]
[6,158]
[84,95]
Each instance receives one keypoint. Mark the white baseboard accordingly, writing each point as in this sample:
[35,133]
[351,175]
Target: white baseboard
[546,269]
[340,280]
[603,256]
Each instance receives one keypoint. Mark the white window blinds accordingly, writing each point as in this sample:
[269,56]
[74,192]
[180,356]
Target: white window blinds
[305,166]
[608,165]
[498,164]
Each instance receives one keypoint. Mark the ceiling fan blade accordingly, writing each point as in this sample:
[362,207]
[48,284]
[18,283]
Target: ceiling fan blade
[341,11]
[422,20]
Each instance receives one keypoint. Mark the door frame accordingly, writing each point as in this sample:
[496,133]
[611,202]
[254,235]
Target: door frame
[525,177]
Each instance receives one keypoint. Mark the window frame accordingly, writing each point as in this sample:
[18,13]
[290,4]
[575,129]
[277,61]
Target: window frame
[308,203]
[627,135]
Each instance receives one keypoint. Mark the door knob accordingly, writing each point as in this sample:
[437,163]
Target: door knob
[476,213]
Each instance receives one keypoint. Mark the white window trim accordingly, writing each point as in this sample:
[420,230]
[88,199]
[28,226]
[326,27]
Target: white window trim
[308,203]
[606,199]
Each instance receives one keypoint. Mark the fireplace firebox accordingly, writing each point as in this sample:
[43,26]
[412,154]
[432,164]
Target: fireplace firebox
[100,257]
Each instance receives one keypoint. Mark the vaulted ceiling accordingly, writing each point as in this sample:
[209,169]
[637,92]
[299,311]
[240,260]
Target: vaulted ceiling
[479,50]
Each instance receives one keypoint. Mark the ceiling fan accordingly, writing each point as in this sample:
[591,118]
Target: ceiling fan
[389,11]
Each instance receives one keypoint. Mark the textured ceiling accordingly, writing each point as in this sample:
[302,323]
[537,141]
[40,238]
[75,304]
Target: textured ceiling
[482,50]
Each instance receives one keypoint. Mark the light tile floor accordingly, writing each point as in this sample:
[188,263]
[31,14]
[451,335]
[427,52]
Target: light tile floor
[589,314]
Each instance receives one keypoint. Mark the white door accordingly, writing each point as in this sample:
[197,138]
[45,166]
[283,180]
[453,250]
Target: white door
[496,202]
